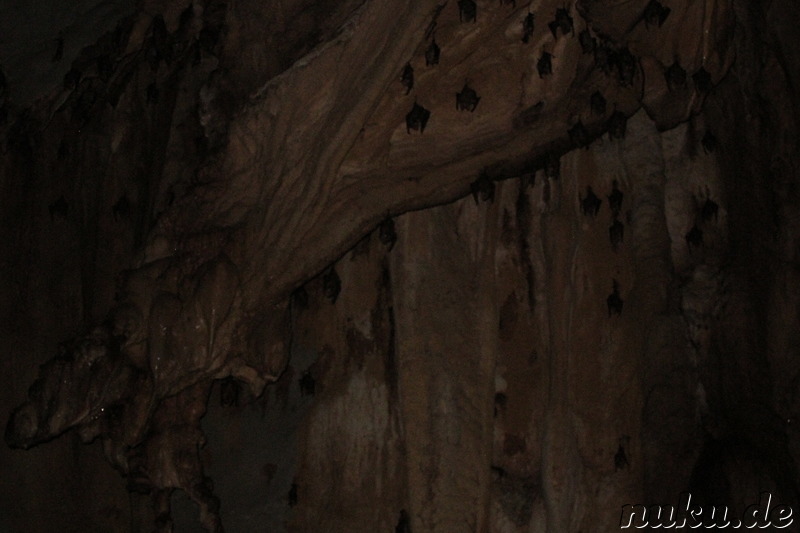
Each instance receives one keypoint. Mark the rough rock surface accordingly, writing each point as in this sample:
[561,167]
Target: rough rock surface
[202,195]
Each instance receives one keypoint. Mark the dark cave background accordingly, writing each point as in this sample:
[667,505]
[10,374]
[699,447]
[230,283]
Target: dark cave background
[470,374]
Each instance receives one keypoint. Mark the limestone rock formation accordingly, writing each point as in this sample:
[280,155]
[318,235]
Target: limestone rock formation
[412,317]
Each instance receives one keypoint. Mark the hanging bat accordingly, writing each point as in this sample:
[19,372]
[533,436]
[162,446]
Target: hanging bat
[72,78]
[655,14]
[432,54]
[300,297]
[615,199]
[709,210]
[527,28]
[59,48]
[675,76]
[579,135]
[545,64]
[587,42]
[603,58]
[614,302]
[616,233]
[590,204]
[709,142]
[467,99]
[483,187]
[403,523]
[307,384]
[552,166]
[597,103]
[621,458]
[626,64]
[407,77]
[562,21]
[694,237]
[617,125]
[417,118]
[702,81]
[121,208]
[331,285]
[387,234]
[229,393]
[467,11]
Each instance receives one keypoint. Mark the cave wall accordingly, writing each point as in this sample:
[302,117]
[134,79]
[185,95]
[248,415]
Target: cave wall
[472,375]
